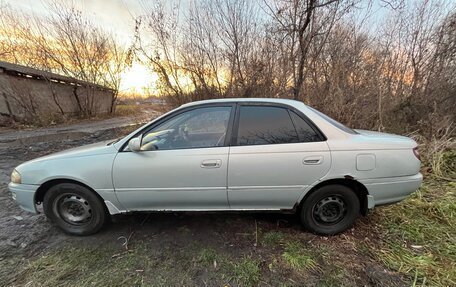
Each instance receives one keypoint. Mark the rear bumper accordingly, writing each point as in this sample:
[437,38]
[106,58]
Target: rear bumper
[24,195]
[389,190]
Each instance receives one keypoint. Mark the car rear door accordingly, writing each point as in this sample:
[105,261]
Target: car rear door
[275,154]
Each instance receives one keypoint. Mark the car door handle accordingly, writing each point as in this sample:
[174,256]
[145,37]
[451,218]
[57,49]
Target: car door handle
[313,160]
[211,163]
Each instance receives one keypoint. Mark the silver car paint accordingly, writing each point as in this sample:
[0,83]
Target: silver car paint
[266,177]
[274,176]
[172,179]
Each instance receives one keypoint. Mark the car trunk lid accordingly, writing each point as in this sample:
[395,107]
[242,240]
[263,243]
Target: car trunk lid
[388,139]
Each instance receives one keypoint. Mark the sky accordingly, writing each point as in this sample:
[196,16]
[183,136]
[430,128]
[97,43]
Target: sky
[118,17]
[115,15]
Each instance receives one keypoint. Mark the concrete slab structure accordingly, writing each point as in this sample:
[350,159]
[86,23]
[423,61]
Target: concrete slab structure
[26,93]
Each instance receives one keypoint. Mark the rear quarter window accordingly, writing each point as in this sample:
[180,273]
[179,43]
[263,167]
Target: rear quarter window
[334,122]
[305,132]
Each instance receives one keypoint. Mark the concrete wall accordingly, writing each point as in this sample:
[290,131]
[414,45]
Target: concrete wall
[25,98]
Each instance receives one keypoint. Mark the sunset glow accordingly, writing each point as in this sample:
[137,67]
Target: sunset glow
[138,80]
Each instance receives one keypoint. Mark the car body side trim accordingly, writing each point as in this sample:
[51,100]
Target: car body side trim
[169,189]
[235,188]
[204,209]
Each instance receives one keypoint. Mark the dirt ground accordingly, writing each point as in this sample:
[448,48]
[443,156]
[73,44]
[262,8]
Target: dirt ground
[178,249]
[21,229]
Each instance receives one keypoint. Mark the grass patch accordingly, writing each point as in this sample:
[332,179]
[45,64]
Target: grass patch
[141,266]
[416,237]
[420,238]
[272,237]
[333,277]
[127,110]
[9,266]
[208,256]
[247,271]
[86,266]
[298,257]
[108,266]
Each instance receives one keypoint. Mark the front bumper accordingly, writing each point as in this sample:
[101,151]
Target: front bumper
[24,195]
[389,190]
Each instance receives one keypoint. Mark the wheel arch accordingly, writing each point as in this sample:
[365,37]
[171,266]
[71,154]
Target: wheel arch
[358,188]
[44,187]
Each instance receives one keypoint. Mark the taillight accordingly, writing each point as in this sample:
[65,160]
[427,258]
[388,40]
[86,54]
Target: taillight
[416,153]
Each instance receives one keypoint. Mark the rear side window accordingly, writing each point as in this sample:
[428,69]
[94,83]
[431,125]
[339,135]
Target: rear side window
[260,125]
[305,132]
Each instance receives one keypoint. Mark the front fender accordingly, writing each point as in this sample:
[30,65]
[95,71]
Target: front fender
[94,171]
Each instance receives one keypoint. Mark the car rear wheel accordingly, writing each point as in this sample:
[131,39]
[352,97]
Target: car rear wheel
[74,208]
[330,210]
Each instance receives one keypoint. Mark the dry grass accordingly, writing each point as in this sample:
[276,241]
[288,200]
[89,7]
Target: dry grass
[419,235]
[438,153]
[299,257]
[126,110]
[416,238]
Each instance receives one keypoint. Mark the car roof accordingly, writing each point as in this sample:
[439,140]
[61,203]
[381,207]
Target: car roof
[259,100]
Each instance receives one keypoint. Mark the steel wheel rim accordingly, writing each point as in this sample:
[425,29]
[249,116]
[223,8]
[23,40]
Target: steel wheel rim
[73,208]
[329,210]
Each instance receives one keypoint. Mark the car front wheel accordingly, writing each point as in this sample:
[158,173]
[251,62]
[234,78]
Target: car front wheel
[330,210]
[74,208]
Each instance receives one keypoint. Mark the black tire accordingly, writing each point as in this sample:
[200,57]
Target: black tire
[74,208]
[330,210]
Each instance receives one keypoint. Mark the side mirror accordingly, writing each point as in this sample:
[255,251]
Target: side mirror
[135,144]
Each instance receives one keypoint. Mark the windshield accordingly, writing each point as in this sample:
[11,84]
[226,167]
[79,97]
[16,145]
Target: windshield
[334,122]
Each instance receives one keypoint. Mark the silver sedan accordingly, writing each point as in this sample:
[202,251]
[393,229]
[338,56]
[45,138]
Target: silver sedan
[225,155]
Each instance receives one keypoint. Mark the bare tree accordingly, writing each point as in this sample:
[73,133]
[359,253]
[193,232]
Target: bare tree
[300,22]
[202,57]
[157,45]
[395,73]
[66,42]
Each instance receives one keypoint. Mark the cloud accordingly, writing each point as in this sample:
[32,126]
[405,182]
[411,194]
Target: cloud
[116,16]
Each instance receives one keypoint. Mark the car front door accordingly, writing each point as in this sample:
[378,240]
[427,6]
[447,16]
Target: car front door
[182,164]
[275,155]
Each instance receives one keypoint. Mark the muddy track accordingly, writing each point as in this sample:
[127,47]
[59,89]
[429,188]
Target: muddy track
[20,229]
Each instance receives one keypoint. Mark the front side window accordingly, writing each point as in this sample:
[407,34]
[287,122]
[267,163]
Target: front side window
[198,128]
[260,125]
